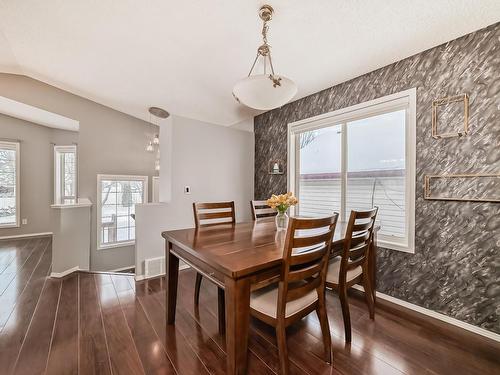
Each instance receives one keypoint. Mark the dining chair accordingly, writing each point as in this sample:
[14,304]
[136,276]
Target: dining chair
[261,209]
[301,287]
[352,266]
[209,214]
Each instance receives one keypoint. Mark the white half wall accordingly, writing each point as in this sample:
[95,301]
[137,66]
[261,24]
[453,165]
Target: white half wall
[217,163]
[71,237]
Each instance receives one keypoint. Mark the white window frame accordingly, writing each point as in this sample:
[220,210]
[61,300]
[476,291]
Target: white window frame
[113,177]
[155,189]
[401,100]
[58,181]
[15,146]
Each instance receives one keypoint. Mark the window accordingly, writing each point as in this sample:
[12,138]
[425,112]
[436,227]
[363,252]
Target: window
[117,197]
[65,174]
[356,158]
[156,189]
[9,184]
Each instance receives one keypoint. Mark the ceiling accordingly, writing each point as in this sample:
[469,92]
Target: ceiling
[185,56]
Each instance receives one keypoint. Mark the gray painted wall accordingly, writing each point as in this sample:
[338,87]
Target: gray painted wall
[456,266]
[109,142]
[36,181]
[216,162]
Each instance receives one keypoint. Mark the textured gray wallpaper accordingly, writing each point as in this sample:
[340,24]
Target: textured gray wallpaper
[456,266]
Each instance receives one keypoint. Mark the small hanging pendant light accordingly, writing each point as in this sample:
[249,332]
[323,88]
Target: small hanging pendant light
[154,144]
[264,91]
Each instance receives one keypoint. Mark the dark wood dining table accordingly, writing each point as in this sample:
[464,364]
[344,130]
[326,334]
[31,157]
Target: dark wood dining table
[235,258]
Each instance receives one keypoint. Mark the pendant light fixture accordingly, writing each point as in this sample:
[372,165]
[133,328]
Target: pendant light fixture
[154,144]
[264,91]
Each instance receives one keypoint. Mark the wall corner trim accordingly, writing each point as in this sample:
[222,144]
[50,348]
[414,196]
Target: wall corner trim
[433,314]
[122,268]
[44,234]
[64,273]
[143,277]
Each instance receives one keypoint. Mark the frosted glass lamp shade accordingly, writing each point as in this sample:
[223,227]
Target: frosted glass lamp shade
[258,92]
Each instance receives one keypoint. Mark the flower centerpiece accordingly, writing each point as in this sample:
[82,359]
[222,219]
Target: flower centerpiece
[281,203]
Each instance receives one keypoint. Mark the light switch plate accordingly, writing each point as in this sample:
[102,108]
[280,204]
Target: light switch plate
[24,221]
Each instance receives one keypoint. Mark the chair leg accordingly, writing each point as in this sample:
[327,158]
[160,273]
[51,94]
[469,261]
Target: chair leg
[197,286]
[282,348]
[325,329]
[345,312]
[367,285]
[221,310]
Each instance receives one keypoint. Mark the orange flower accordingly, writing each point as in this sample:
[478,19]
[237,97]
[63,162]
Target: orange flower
[282,202]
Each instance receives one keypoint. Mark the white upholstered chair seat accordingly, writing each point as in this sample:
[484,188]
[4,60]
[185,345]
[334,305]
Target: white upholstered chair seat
[332,275]
[265,301]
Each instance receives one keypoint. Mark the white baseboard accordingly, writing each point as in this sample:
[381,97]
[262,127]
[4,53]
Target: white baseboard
[436,315]
[143,277]
[26,235]
[64,273]
[122,268]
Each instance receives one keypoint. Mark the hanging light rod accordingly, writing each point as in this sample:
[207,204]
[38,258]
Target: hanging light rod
[263,91]
[159,113]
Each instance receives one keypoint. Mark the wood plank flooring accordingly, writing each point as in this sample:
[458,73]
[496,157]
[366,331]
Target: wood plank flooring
[108,324]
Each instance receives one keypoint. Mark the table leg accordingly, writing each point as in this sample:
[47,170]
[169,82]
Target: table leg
[172,278]
[221,310]
[237,323]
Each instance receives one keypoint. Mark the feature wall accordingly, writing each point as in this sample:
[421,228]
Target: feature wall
[109,142]
[455,268]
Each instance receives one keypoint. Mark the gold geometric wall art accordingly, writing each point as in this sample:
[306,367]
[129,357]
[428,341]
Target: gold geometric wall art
[450,116]
[480,187]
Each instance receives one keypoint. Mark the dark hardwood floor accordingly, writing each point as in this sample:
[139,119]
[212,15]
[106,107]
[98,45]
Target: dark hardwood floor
[108,324]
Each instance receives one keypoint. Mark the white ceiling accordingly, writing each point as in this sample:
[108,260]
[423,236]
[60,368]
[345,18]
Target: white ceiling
[185,56]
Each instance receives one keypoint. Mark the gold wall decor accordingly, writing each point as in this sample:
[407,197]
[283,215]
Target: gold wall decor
[442,104]
[495,187]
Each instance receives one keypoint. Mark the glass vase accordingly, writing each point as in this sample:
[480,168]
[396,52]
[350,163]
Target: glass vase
[281,221]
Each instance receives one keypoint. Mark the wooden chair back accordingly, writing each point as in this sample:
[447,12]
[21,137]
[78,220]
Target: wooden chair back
[305,258]
[261,209]
[214,213]
[358,238]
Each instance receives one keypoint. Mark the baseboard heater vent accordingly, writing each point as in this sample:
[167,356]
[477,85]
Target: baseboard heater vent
[154,267]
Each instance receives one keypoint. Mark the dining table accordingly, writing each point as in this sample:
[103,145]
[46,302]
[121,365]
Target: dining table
[237,258]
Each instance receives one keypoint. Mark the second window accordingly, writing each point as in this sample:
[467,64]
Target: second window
[117,197]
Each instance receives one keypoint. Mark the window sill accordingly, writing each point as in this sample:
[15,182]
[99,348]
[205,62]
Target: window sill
[395,246]
[9,226]
[115,245]
[75,203]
